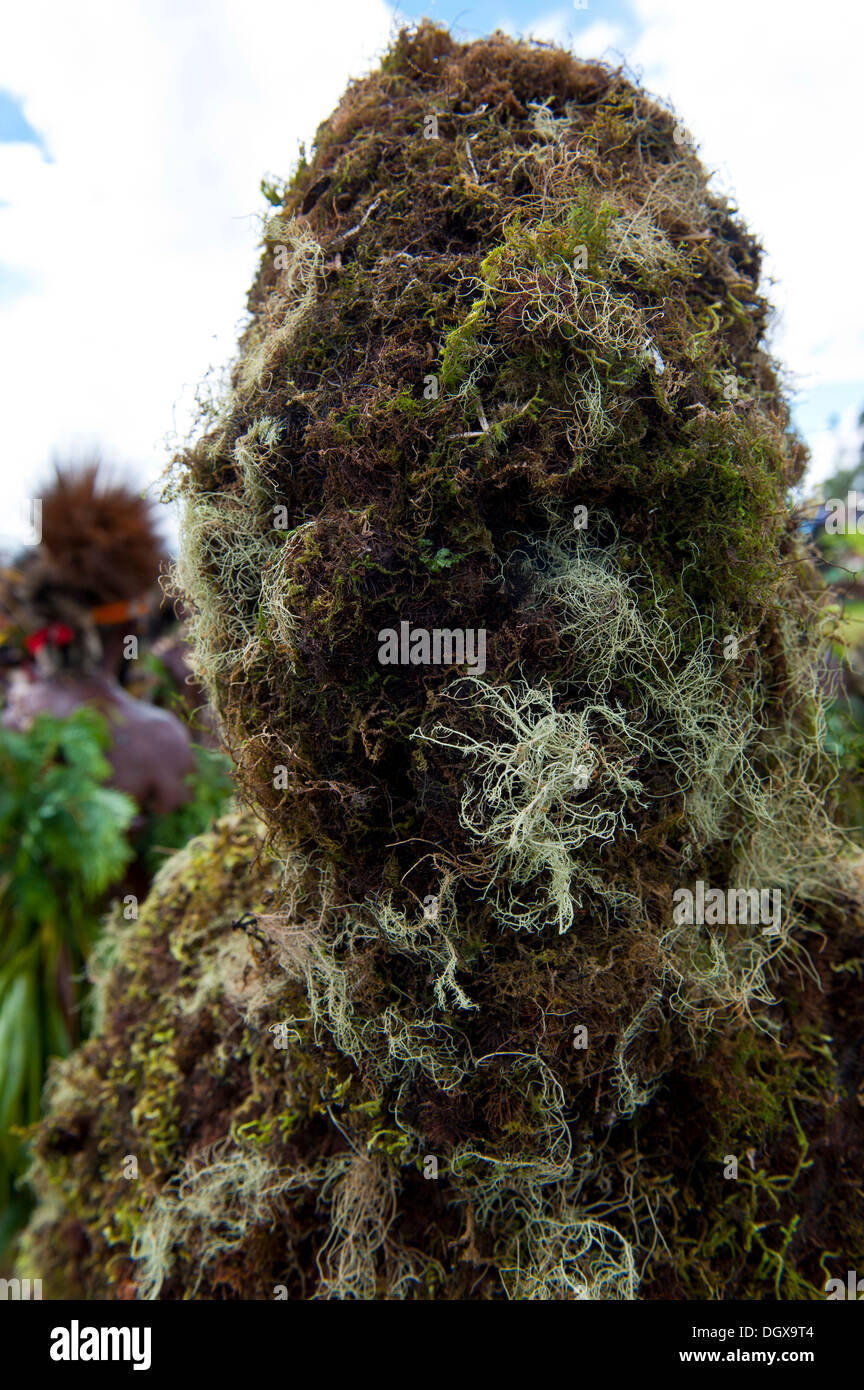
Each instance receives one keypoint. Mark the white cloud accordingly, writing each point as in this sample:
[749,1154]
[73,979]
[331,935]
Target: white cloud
[771,93]
[141,234]
[595,39]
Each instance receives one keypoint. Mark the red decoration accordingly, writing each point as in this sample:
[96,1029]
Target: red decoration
[58,634]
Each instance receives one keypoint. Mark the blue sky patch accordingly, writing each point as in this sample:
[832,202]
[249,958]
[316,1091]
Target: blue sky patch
[471,21]
[15,129]
[14,284]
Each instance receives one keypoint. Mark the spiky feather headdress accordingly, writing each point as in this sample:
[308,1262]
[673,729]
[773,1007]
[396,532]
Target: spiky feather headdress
[96,562]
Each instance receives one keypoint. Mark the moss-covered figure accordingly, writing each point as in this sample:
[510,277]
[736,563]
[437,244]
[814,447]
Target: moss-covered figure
[503,375]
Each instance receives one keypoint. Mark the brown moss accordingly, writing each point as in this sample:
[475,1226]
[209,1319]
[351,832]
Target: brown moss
[456,904]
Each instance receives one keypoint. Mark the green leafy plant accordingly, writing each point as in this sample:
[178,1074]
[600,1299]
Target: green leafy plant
[442,559]
[63,842]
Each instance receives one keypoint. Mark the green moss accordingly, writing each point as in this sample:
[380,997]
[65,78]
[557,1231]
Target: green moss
[477,870]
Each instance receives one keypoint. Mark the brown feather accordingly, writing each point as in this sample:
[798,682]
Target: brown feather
[99,536]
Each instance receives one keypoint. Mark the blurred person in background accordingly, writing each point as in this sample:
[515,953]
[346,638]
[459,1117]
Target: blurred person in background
[75,606]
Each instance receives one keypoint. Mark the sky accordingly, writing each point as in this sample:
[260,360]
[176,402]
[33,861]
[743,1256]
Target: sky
[134,135]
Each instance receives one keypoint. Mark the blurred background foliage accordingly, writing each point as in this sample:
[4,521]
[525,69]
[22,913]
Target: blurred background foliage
[66,847]
[840,556]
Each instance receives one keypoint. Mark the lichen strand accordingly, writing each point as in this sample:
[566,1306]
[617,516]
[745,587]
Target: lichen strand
[211,1140]
[477,866]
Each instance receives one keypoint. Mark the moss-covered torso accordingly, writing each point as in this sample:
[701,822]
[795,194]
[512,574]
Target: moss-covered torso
[504,375]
